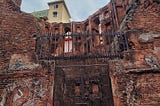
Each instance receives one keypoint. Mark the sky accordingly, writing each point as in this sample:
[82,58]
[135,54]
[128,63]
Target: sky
[79,9]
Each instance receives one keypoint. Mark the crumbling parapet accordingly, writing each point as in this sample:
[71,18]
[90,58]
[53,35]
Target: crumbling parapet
[14,4]
[17,2]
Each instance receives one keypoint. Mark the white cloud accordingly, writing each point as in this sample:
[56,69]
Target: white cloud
[79,9]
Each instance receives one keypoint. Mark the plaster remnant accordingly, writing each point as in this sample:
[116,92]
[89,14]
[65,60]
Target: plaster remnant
[148,37]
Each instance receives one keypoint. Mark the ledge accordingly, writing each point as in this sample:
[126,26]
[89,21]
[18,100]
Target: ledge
[143,71]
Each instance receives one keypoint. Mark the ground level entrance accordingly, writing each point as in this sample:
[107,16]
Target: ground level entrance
[87,85]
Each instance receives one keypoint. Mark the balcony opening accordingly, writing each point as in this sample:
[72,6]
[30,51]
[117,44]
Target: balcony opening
[68,40]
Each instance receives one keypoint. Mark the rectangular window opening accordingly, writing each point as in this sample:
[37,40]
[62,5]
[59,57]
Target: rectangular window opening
[55,6]
[55,14]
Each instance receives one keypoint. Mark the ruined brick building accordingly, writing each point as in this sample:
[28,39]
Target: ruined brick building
[110,59]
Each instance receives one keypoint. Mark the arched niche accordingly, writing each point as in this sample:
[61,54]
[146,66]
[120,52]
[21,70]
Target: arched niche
[67,30]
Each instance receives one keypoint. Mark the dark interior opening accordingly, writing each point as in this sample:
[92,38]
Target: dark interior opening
[89,89]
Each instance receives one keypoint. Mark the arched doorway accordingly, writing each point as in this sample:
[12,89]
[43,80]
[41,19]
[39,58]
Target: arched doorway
[68,40]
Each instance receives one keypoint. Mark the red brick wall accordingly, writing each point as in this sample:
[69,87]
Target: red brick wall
[22,78]
[135,79]
[16,34]
[18,2]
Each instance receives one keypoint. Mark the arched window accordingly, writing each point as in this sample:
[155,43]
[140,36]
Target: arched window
[68,40]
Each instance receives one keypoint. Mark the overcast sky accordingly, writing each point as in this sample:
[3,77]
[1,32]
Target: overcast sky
[79,9]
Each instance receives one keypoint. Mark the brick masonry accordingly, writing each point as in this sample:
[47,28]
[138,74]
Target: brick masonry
[135,78]
[23,81]
[26,81]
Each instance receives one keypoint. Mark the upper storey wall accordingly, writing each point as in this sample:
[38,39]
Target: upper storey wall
[16,30]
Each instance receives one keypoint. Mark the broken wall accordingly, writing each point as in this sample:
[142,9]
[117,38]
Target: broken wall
[23,80]
[135,79]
